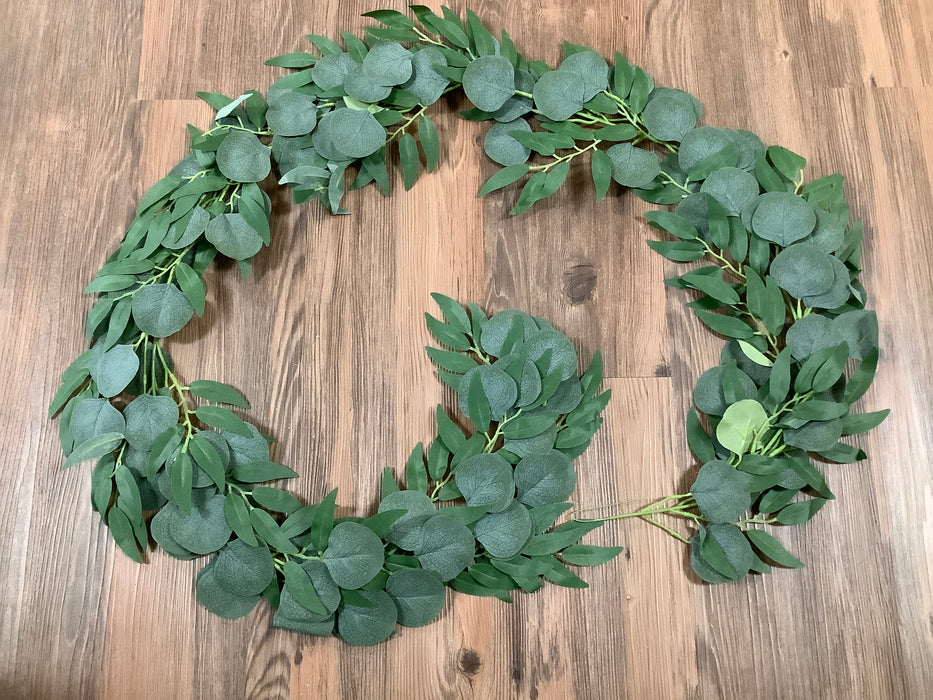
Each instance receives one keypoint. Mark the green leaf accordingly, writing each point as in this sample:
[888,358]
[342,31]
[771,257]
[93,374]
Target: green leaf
[485,480]
[729,326]
[365,626]
[323,523]
[416,507]
[114,369]
[160,310]
[408,154]
[722,494]
[269,531]
[496,386]
[202,530]
[783,218]
[94,448]
[419,596]
[295,59]
[354,555]
[255,472]
[236,514]
[222,419]
[543,479]
[801,512]
[559,94]
[242,157]
[416,476]
[678,251]
[670,114]
[243,570]
[675,224]
[601,170]
[426,82]
[219,600]
[218,392]
[862,378]
[355,133]
[489,81]
[504,534]
[769,545]
[301,587]
[699,144]
[740,423]
[501,145]
[430,144]
[733,188]
[290,113]
[233,236]
[446,547]
[388,64]
[191,286]
[589,555]
[446,334]
[181,472]
[631,166]
[447,430]
[788,163]
[148,417]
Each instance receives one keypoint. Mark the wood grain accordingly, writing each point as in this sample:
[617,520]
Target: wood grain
[325,338]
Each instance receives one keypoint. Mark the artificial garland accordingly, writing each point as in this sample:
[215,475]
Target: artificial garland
[783,288]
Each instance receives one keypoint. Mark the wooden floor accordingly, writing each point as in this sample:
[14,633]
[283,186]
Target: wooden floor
[326,338]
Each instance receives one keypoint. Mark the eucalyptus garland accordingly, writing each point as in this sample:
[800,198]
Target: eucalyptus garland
[478,510]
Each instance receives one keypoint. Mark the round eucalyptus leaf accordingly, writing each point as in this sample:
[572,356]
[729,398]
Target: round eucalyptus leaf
[242,157]
[671,113]
[809,335]
[783,218]
[859,329]
[406,531]
[542,479]
[232,236]
[354,555]
[387,64]
[517,105]
[327,591]
[803,270]
[733,188]
[426,82]
[739,423]
[485,480]
[447,547]
[563,354]
[291,113]
[244,450]
[497,328]
[699,143]
[559,95]
[294,616]
[708,394]
[498,387]
[331,70]
[147,417]
[364,626]
[502,147]
[750,145]
[219,600]
[529,387]
[114,369]
[631,166]
[361,86]
[243,570]
[489,81]
[567,397]
[523,447]
[503,535]
[204,529]
[829,233]
[355,133]
[837,294]
[591,71]
[722,493]
[160,310]
[322,138]
[419,596]
[159,529]
[93,417]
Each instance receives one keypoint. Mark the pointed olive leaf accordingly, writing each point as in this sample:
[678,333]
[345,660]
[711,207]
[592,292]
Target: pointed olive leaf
[504,534]
[670,114]
[427,135]
[419,596]
[601,170]
[93,417]
[291,113]
[478,408]
[783,218]
[543,517]
[815,435]
[219,600]
[863,422]
[729,326]
[243,570]
[416,476]
[451,361]
[740,423]
[218,392]
[163,449]
[678,251]
[416,507]
[732,543]
[242,157]
[243,449]
[713,286]
[801,512]
[802,269]
[295,59]
[147,417]
[859,329]
[489,81]
[722,494]
[485,480]
[733,188]
[408,155]
[754,354]
[788,163]
[159,310]
[446,547]
[301,587]
[700,143]
[842,453]
[771,547]
[223,419]
[543,479]
[454,313]
[268,530]
[447,430]
[699,440]
[323,521]
[292,615]
[192,286]
[365,626]
[591,72]
[816,409]
[631,166]
[589,554]
[674,224]
[255,472]
[559,538]
[446,334]
[354,555]
[181,472]
[122,531]
[236,513]
[831,370]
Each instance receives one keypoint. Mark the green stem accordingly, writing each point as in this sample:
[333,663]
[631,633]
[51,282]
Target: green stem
[545,167]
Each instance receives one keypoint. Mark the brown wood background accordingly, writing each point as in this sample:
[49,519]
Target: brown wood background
[326,336]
